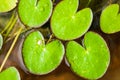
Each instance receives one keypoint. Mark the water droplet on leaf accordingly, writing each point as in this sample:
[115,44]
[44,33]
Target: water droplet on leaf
[42,9]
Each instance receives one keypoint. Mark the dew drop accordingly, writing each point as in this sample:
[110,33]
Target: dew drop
[44,49]
[41,9]
[73,17]
[70,2]
[46,5]
[87,52]
[39,42]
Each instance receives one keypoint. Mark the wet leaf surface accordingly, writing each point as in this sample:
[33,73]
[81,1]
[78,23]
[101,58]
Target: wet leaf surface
[41,58]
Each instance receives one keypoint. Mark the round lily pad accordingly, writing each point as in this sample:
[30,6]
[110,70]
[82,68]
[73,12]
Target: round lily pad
[67,23]
[10,74]
[7,5]
[41,58]
[34,13]
[90,60]
[110,19]
[1,41]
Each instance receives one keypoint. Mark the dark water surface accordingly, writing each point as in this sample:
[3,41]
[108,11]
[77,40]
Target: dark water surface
[63,72]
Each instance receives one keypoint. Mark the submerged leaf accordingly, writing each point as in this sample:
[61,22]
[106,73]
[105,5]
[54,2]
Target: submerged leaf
[1,41]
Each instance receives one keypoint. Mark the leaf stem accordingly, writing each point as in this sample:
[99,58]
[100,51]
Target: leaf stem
[11,27]
[8,24]
[50,38]
[53,1]
[37,2]
[88,3]
[10,50]
[110,1]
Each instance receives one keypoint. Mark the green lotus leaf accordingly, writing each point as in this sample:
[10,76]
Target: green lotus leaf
[34,13]
[10,74]
[67,23]
[90,60]
[7,5]
[40,58]
[110,19]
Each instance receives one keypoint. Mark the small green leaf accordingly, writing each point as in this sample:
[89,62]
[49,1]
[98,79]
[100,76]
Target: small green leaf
[67,23]
[90,60]
[10,74]
[7,5]
[110,19]
[1,41]
[40,58]
[34,13]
